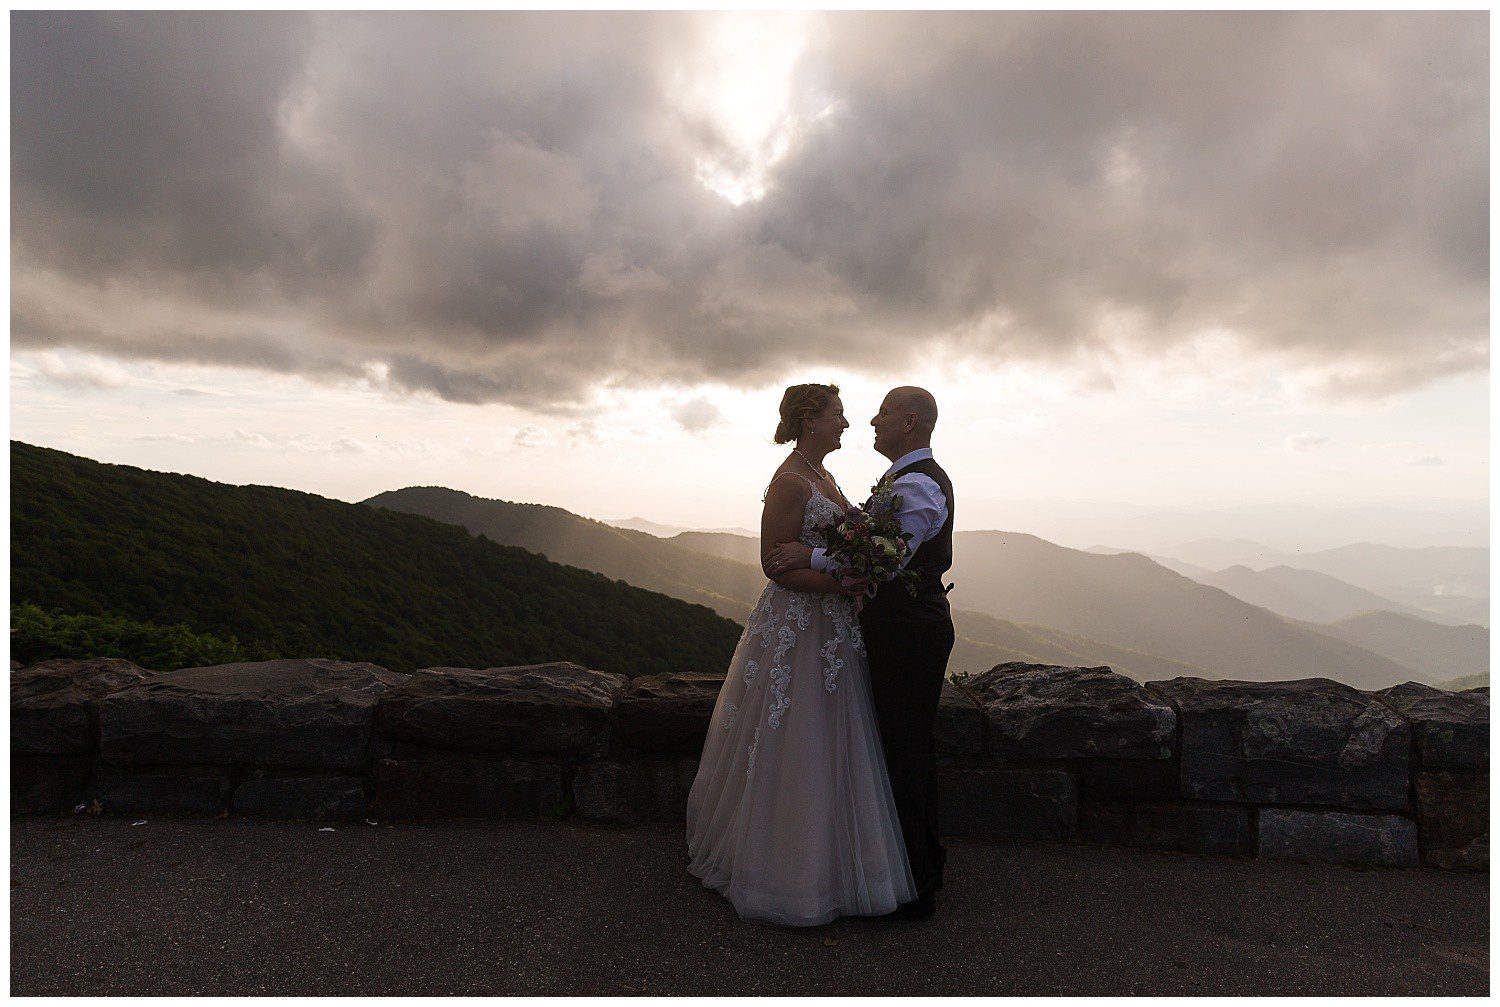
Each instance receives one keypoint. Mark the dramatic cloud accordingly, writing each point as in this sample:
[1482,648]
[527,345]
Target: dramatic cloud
[515,207]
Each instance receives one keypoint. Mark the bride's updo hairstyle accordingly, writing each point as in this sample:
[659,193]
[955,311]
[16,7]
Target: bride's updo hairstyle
[798,404]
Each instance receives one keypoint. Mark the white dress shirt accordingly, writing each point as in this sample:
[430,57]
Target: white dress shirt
[923,511]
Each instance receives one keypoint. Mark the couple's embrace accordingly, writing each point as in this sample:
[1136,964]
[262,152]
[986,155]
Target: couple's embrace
[815,796]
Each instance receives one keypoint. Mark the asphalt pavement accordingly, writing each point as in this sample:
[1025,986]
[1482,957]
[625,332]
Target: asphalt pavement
[232,906]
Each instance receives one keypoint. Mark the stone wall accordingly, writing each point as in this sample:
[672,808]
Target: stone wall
[1306,770]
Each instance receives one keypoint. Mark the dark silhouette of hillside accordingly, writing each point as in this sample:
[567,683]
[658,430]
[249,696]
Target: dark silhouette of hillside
[304,575]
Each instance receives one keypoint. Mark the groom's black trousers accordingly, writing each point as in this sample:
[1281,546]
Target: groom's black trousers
[907,641]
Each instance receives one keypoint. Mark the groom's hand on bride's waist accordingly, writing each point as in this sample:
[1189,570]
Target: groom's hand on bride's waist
[786,557]
[857,587]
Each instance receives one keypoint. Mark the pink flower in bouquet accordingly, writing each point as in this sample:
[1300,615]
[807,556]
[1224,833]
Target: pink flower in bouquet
[870,544]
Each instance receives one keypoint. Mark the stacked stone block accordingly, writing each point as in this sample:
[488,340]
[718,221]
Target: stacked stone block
[54,729]
[465,742]
[1305,770]
[656,736]
[283,739]
[1322,768]
[1450,772]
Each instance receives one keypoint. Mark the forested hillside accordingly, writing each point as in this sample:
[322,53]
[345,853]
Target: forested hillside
[302,575]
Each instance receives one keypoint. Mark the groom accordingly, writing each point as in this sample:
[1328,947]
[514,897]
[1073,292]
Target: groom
[908,639]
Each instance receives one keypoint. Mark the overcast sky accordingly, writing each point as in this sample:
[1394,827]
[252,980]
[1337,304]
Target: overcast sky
[1167,259]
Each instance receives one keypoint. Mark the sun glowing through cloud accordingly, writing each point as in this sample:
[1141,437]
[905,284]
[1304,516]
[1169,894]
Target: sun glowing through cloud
[741,84]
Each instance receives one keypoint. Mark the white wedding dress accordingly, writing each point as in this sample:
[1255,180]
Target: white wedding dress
[790,816]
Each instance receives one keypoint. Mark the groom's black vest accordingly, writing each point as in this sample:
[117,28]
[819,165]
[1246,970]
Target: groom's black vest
[930,560]
[933,557]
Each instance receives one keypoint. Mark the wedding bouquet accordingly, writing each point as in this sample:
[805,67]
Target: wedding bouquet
[868,543]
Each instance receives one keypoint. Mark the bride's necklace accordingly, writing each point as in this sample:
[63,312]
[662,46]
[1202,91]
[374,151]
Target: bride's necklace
[821,471]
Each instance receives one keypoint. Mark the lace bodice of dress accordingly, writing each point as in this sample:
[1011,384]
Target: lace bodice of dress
[782,615]
[819,511]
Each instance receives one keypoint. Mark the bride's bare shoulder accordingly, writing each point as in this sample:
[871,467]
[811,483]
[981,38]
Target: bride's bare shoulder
[787,487]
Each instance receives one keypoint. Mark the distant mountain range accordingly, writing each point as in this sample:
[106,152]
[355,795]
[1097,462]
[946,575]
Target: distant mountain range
[1449,583]
[1441,646]
[722,571]
[1468,682]
[1018,598]
[740,548]
[1133,602]
[1136,603]
[1301,594]
[1175,565]
[1290,527]
[667,530]
[1442,652]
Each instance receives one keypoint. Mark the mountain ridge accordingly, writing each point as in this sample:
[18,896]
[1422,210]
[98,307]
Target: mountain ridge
[1305,595]
[1036,595]
[670,567]
[1441,652]
[1451,581]
[636,557]
[314,576]
[1133,602]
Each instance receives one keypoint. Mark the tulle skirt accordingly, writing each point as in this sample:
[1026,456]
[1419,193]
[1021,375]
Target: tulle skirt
[791,816]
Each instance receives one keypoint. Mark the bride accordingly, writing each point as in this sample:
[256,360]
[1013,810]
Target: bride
[790,816]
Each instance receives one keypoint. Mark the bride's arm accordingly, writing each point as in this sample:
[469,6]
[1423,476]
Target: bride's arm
[781,521]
